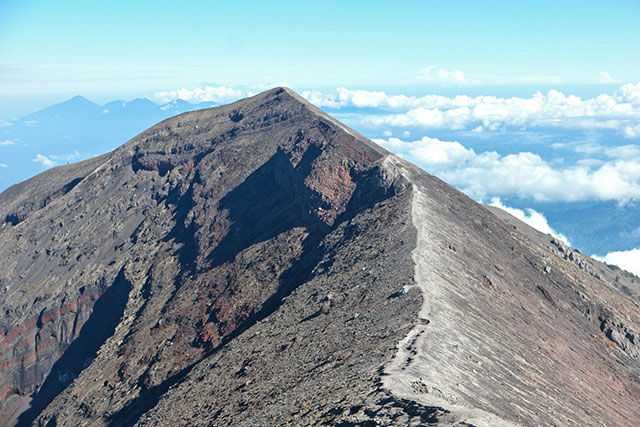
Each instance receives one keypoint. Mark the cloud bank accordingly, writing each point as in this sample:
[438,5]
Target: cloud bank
[56,159]
[44,161]
[432,74]
[627,260]
[442,77]
[221,94]
[531,217]
[526,175]
[606,77]
[619,112]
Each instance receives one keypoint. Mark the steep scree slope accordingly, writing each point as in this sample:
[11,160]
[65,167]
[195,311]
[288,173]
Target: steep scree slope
[260,263]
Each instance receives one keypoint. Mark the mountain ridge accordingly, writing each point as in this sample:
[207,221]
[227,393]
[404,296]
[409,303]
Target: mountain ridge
[290,270]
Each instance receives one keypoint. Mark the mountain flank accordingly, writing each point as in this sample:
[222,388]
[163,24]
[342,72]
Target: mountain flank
[260,263]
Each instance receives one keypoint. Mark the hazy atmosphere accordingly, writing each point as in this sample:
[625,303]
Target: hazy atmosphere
[533,107]
[354,213]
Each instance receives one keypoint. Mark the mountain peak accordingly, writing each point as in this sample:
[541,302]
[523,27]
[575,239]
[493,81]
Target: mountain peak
[78,101]
[74,109]
[79,98]
[279,107]
[142,101]
[260,261]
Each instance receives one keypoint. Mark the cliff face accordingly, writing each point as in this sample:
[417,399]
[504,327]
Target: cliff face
[262,263]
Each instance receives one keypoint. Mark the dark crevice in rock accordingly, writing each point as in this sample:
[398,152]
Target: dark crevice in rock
[620,334]
[236,116]
[184,233]
[290,280]
[277,177]
[14,219]
[131,413]
[22,214]
[107,313]
[269,202]
[145,294]
[388,411]
[305,165]
[61,192]
[372,188]
[69,186]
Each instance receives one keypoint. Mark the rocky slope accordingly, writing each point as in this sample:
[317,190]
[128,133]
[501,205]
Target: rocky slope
[261,264]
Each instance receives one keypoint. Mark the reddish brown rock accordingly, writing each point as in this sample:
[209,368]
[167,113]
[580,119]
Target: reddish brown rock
[260,263]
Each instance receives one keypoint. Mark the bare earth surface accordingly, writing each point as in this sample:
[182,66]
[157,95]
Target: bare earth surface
[261,264]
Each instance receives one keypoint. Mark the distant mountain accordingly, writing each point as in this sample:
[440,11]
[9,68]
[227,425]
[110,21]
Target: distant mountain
[77,129]
[75,109]
[181,106]
[139,106]
[260,263]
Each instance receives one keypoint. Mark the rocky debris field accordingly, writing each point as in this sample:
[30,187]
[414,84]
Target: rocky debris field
[261,264]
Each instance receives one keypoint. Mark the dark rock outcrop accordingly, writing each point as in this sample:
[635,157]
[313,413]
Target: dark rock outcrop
[261,264]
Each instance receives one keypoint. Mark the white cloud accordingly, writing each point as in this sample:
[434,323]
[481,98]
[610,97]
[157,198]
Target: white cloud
[4,165]
[532,217]
[497,80]
[255,89]
[441,76]
[590,162]
[44,161]
[7,142]
[619,112]
[553,109]
[592,148]
[5,123]
[70,157]
[200,94]
[605,77]
[344,97]
[623,152]
[627,260]
[525,175]
[630,93]
[632,131]
[56,159]
[432,74]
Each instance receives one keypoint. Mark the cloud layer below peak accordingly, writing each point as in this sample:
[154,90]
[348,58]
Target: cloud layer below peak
[619,111]
[531,217]
[627,260]
[525,175]
[205,93]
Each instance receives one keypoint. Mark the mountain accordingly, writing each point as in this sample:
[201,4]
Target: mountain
[260,263]
[77,129]
[74,109]
[80,108]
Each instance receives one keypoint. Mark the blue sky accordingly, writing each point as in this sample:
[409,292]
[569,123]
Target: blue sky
[524,103]
[53,49]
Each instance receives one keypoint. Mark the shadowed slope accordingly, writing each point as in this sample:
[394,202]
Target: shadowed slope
[165,210]
[283,269]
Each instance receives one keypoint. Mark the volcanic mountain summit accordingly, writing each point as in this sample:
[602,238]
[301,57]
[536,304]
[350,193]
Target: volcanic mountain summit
[262,264]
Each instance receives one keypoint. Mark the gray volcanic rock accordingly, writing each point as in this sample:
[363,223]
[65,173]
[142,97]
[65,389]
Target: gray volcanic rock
[261,264]
[619,279]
